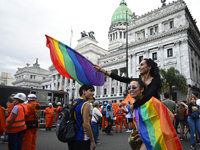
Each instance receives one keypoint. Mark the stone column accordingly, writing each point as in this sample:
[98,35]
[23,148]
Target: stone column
[101,91]
[177,53]
[56,88]
[162,55]
[61,82]
[52,83]
[109,86]
[134,65]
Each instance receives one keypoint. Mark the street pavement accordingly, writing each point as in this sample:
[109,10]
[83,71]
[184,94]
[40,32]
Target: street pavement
[47,140]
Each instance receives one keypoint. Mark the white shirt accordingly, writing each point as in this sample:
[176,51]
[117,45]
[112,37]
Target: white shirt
[97,114]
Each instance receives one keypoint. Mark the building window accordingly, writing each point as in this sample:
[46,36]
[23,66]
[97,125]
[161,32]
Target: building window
[192,64]
[151,31]
[171,24]
[169,52]
[156,30]
[140,58]
[120,34]
[113,36]
[110,37]
[124,35]
[166,26]
[140,35]
[154,56]
[104,92]
[120,89]
[116,36]
[43,78]
[112,91]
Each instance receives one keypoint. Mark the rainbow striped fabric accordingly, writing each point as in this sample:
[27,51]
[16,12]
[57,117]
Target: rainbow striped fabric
[70,64]
[155,126]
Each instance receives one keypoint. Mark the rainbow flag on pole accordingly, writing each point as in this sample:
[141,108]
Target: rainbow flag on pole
[155,126]
[70,64]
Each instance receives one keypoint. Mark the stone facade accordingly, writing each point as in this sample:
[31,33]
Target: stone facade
[33,77]
[6,79]
[168,35]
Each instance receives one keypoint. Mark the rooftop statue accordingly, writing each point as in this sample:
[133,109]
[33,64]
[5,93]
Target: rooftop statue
[163,1]
[91,35]
[83,34]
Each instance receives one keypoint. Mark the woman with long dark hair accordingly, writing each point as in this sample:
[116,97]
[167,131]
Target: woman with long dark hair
[154,122]
[193,120]
[150,76]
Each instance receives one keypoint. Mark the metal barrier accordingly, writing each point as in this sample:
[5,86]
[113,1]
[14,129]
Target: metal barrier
[42,119]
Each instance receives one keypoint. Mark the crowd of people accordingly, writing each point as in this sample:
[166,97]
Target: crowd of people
[19,121]
[144,118]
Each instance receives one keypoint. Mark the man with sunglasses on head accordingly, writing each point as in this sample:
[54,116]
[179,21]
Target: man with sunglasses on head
[109,116]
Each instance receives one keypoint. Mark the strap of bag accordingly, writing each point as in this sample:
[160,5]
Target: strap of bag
[95,118]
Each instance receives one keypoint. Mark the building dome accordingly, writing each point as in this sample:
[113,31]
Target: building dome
[120,13]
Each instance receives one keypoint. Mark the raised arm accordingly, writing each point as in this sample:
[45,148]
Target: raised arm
[112,75]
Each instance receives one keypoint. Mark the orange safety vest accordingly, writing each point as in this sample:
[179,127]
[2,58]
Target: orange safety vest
[34,110]
[58,109]
[19,123]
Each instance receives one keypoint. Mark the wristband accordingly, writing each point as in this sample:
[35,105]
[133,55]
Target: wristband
[105,72]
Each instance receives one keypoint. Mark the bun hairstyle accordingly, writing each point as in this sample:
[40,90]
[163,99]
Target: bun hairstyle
[154,71]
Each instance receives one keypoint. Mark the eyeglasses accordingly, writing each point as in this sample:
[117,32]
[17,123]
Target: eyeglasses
[133,87]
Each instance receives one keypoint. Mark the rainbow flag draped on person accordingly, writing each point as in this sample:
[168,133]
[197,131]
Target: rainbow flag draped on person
[155,126]
[70,64]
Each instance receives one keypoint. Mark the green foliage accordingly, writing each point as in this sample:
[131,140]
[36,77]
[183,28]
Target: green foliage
[172,78]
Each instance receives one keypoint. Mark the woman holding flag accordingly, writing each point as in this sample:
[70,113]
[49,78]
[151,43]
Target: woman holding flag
[150,76]
[154,122]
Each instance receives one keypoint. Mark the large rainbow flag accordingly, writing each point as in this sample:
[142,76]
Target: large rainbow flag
[155,126]
[70,64]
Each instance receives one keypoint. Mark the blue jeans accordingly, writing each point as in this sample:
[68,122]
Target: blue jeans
[15,140]
[95,130]
[194,124]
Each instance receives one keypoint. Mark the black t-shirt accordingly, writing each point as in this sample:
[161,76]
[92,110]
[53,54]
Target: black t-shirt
[153,88]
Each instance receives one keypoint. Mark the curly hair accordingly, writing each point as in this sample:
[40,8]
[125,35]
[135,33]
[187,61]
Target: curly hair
[154,71]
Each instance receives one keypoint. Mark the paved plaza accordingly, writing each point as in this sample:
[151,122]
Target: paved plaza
[47,140]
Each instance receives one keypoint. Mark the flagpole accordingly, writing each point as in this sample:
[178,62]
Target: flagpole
[71,37]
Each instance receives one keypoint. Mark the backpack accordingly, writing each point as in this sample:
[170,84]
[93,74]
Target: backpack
[104,111]
[65,127]
[34,123]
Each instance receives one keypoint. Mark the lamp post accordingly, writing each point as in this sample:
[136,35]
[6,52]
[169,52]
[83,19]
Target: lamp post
[126,50]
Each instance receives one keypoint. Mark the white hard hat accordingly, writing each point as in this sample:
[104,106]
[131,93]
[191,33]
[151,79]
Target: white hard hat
[20,96]
[58,103]
[31,97]
[50,104]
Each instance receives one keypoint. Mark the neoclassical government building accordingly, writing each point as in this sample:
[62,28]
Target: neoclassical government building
[169,35]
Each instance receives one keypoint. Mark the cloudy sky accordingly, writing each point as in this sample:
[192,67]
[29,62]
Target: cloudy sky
[24,23]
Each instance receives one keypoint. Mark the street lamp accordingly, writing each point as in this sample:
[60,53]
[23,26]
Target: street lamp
[126,50]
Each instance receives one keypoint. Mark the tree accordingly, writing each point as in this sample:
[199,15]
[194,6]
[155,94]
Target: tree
[172,78]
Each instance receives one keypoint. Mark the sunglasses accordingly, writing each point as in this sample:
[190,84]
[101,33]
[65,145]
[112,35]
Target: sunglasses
[133,87]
